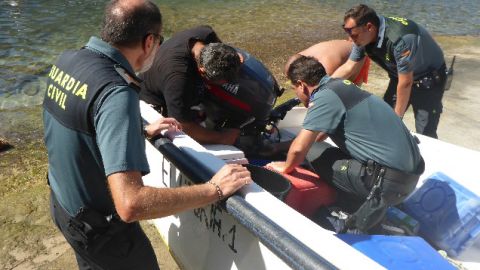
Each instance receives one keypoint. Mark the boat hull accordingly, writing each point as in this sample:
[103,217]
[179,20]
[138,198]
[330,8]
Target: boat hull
[220,237]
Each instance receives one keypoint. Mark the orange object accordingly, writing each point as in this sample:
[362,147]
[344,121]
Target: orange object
[362,76]
[308,192]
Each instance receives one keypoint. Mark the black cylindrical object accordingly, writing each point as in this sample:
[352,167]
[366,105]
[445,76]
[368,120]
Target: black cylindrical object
[269,180]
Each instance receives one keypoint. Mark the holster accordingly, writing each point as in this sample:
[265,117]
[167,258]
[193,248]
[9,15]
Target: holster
[93,230]
[403,182]
[431,79]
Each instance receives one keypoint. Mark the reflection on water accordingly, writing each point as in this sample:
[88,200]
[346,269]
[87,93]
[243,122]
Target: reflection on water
[34,32]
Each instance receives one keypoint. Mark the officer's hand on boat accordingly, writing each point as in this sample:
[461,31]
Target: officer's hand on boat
[230,178]
[158,126]
[279,166]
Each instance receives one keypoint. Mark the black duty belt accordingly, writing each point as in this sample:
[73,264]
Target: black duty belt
[395,175]
[432,75]
[376,173]
[375,169]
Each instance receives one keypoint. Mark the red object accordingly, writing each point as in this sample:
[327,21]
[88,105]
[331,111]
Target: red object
[362,76]
[223,95]
[308,192]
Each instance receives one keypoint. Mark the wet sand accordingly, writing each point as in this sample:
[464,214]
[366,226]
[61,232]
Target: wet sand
[30,241]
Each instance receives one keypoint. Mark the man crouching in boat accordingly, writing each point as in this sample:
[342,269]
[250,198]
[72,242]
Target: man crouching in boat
[96,147]
[377,161]
[211,88]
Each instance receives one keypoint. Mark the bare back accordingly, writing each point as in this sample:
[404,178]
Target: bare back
[331,54]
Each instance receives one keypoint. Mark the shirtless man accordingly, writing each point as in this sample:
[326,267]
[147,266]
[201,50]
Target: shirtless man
[332,54]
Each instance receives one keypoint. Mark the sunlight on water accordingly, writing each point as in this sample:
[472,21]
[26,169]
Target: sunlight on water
[34,32]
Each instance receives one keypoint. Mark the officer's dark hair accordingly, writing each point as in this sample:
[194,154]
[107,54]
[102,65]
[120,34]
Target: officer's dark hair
[220,61]
[362,14]
[125,24]
[307,69]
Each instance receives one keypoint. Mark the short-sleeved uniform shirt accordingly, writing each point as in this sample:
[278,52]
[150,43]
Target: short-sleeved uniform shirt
[412,52]
[78,163]
[362,125]
[173,81]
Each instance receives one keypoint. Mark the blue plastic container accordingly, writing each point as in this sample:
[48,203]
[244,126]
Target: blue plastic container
[398,252]
[448,213]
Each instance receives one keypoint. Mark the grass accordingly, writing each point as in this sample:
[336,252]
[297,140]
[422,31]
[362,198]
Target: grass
[24,214]
[28,237]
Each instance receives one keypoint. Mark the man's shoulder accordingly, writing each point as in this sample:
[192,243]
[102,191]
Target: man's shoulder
[398,28]
[202,32]
[326,96]
[173,49]
[116,95]
[171,60]
[346,92]
[339,83]
[201,29]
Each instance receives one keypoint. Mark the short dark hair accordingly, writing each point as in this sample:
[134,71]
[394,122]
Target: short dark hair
[362,14]
[307,69]
[220,61]
[125,24]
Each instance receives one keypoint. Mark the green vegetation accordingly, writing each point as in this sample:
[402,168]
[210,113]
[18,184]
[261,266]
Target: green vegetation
[24,216]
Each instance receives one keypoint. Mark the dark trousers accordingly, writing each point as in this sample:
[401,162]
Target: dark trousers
[354,182]
[124,247]
[426,100]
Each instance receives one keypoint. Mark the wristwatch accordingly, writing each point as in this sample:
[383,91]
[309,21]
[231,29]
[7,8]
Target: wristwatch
[145,133]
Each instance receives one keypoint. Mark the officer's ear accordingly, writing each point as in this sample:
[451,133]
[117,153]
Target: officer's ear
[149,41]
[305,89]
[370,27]
[301,87]
[241,58]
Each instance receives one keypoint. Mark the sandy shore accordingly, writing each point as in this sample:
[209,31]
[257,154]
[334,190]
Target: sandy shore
[460,120]
[28,239]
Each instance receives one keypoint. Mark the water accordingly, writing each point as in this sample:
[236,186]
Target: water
[34,32]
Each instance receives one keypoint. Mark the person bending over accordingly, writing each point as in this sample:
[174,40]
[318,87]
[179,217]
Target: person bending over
[375,162]
[96,146]
[413,60]
[213,89]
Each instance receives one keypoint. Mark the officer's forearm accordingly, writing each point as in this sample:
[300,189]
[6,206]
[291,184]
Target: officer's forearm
[356,70]
[347,70]
[134,201]
[404,89]
[342,72]
[294,158]
[299,149]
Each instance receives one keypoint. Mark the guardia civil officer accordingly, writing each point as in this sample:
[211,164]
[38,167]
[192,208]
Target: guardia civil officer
[413,60]
[377,162]
[96,146]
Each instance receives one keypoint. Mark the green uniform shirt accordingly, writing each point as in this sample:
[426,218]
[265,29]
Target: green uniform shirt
[362,125]
[412,52]
[79,164]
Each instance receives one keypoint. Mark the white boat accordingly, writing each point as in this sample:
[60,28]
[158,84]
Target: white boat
[255,230]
